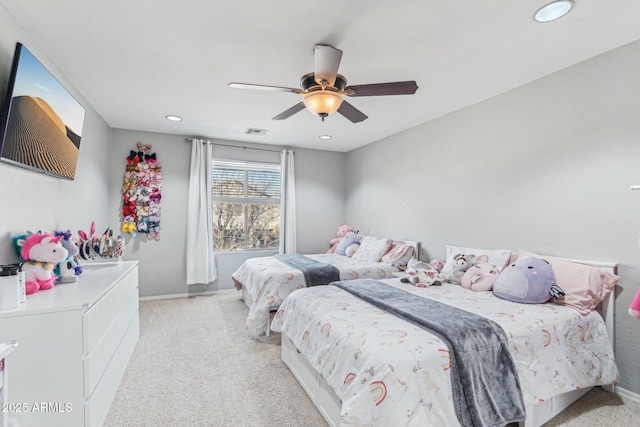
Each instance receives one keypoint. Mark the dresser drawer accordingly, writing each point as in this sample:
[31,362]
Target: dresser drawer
[98,319]
[97,406]
[96,362]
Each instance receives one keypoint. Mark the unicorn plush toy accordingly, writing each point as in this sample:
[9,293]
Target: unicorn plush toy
[41,252]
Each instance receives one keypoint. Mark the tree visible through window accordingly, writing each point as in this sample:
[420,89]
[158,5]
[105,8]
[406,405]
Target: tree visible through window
[246,205]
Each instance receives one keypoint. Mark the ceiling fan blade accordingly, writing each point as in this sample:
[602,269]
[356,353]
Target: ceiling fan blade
[326,63]
[290,112]
[264,87]
[351,112]
[379,89]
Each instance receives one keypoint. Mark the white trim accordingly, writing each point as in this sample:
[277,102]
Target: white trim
[187,295]
[627,395]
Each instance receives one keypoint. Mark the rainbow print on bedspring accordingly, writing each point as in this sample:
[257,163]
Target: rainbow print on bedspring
[325,329]
[349,378]
[444,354]
[379,390]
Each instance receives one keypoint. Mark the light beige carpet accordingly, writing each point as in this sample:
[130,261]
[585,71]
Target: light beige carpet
[194,366]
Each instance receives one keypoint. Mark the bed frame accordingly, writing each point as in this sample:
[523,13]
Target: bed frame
[248,300]
[329,404]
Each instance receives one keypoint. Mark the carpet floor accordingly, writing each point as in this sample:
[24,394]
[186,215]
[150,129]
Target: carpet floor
[194,366]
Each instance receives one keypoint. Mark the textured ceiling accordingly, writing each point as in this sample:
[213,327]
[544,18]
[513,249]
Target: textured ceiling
[137,61]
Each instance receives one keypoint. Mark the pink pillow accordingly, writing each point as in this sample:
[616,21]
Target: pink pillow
[584,286]
[398,255]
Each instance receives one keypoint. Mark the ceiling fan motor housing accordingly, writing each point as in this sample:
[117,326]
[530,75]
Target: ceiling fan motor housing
[308,83]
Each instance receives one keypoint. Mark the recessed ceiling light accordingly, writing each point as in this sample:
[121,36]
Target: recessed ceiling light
[553,11]
[174,118]
[325,137]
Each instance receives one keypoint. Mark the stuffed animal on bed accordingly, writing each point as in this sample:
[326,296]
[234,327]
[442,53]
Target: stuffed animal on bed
[437,264]
[342,231]
[462,262]
[349,244]
[480,277]
[421,274]
[529,280]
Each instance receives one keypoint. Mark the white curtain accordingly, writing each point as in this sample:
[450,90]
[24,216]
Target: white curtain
[201,261]
[287,204]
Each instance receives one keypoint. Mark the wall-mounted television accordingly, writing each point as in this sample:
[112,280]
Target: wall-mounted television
[41,121]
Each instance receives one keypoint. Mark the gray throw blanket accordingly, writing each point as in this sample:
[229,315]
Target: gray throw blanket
[315,272]
[486,387]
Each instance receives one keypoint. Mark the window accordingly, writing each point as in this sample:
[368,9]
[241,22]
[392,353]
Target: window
[246,205]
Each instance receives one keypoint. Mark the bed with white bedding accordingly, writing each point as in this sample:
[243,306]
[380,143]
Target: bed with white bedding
[364,366]
[266,281]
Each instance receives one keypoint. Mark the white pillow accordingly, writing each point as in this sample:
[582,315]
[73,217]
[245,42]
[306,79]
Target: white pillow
[372,249]
[497,257]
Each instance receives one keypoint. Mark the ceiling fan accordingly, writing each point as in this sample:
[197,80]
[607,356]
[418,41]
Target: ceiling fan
[323,89]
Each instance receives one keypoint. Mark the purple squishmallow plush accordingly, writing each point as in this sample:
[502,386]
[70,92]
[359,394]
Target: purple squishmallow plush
[351,238]
[529,280]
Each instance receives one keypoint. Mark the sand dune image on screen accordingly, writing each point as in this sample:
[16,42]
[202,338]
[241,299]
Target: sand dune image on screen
[37,136]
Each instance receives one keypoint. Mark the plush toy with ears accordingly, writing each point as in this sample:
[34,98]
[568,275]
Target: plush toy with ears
[69,269]
[41,252]
[342,231]
[462,262]
[349,244]
[422,274]
[480,277]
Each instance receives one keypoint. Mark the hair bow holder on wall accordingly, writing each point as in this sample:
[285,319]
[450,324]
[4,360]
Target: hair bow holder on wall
[141,193]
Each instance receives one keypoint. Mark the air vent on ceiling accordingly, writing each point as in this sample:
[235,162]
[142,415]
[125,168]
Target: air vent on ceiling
[255,131]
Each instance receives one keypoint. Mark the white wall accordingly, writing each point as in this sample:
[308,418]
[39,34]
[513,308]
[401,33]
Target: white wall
[32,201]
[319,207]
[546,167]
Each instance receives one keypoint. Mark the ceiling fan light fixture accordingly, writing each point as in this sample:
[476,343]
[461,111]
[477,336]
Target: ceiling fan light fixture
[322,103]
[553,11]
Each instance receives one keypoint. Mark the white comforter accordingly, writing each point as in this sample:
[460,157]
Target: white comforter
[269,281]
[389,372]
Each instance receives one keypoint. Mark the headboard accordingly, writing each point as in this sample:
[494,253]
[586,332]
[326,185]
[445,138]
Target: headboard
[414,244]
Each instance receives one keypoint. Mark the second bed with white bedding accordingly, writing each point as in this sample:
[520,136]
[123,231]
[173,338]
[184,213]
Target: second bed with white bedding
[268,281]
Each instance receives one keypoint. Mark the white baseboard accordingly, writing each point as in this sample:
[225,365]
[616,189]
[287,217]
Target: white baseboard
[626,394]
[187,295]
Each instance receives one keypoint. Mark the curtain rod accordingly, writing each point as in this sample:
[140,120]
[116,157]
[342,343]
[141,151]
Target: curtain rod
[237,146]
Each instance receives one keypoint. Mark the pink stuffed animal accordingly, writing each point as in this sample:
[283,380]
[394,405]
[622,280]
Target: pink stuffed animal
[634,307]
[480,277]
[342,231]
[437,264]
[41,252]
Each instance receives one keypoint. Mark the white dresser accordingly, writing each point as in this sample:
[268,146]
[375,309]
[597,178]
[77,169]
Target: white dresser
[75,342]
[5,349]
